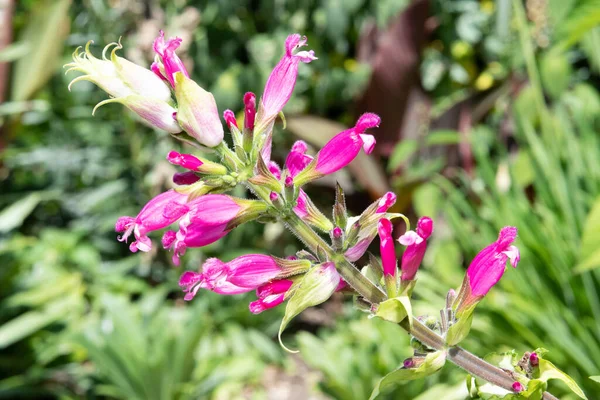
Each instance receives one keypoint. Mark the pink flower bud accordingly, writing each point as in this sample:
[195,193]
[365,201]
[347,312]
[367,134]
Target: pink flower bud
[229,118]
[273,196]
[488,266]
[408,363]
[307,211]
[249,110]
[197,114]
[186,161]
[416,243]
[388,254]
[534,360]
[518,387]
[289,181]
[282,80]
[355,252]
[171,63]
[385,202]
[337,232]
[158,213]
[185,178]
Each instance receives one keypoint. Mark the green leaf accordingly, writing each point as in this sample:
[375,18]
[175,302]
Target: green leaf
[13,216]
[44,36]
[595,378]
[549,371]
[442,137]
[402,152]
[589,252]
[316,287]
[433,363]
[395,310]
[460,330]
[506,361]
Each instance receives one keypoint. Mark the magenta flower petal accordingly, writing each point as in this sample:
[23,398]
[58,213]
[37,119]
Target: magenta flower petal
[416,245]
[252,270]
[171,63]
[488,266]
[388,254]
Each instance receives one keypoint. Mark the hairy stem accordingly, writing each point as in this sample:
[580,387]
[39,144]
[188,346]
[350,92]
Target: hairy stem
[462,358]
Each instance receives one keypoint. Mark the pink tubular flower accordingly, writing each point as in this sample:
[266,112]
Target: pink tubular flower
[252,270]
[158,213]
[488,266]
[416,243]
[213,277]
[341,150]
[388,254]
[281,82]
[186,161]
[249,110]
[169,63]
[345,146]
[229,118]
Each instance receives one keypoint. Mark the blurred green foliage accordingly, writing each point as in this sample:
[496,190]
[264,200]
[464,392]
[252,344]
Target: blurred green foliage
[83,318]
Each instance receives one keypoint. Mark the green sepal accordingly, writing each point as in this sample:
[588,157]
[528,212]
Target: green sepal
[340,213]
[407,287]
[317,285]
[194,190]
[265,177]
[460,329]
[548,371]
[396,310]
[432,363]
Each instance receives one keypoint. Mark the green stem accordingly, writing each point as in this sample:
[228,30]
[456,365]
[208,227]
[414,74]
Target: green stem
[464,359]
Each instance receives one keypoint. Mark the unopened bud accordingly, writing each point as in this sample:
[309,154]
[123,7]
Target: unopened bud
[229,118]
[518,387]
[534,360]
[197,114]
[409,363]
[273,196]
[185,178]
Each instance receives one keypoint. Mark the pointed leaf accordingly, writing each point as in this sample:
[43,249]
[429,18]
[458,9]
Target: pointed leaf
[460,330]
[316,287]
[396,310]
[433,363]
[549,371]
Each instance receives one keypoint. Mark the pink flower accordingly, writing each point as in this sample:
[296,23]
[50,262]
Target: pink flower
[192,236]
[355,252]
[158,213]
[169,63]
[297,158]
[488,266]
[345,146]
[281,82]
[185,178]
[270,295]
[301,209]
[249,110]
[388,254]
[416,243]
[229,118]
[252,270]
[186,161]
[213,277]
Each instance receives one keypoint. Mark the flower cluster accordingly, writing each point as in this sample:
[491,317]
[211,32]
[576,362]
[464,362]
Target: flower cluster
[167,98]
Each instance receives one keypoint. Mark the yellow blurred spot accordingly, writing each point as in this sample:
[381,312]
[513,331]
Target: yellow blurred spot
[487,6]
[350,64]
[461,49]
[484,81]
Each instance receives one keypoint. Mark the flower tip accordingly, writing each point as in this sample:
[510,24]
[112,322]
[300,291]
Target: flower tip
[384,227]
[425,227]
[368,143]
[507,234]
[229,118]
[337,232]
[249,99]
[168,239]
[299,146]
[123,224]
[366,121]
[189,278]
[256,307]
[273,196]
